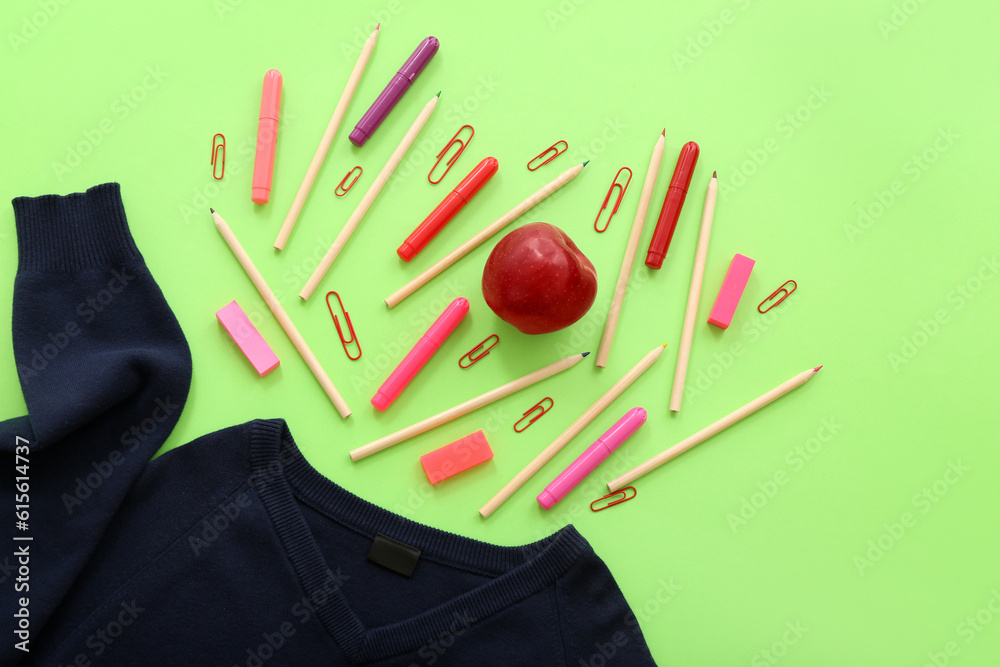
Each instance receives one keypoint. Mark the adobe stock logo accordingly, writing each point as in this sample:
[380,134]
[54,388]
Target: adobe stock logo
[796,459]
[923,501]
[121,108]
[901,14]
[913,168]
[967,630]
[33,24]
[786,127]
[562,13]
[779,649]
[86,486]
[88,310]
[927,329]
[710,30]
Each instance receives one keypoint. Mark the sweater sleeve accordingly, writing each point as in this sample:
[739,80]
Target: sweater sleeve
[105,371]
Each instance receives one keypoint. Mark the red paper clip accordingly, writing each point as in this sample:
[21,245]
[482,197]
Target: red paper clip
[556,153]
[217,164]
[477,348]
[341,189]
[625,497]
[350,327]
[787,292]
[607,198]
[529,411]
[453,158]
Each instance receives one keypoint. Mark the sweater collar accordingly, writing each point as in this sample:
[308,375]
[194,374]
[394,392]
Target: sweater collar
[284,479]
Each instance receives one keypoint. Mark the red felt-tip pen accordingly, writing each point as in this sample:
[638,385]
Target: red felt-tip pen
[448,208]
[267,137]
[672,205]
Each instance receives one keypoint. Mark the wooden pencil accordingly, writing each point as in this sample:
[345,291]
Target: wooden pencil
[501,222]
[468,406]
[687,332]
[571,432]
[369,198]
[324,144]
[630,249]
[279,313]
[707,432]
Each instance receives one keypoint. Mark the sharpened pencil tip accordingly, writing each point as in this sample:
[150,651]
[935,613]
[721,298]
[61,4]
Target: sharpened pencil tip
[817,368]
[439,94]
[664,133]
[586,353]
[664,345]
[586,163]
[715,174]
[211,209]
[377,27]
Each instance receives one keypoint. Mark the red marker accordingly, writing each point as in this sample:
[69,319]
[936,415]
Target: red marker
[267,137]
[672,205]
[448,208]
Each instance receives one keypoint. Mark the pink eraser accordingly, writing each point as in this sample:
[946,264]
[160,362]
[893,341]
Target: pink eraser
[732,289]
[458,456]
[245,334]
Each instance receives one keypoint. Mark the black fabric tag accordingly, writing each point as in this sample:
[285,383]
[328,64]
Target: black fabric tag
[394,555]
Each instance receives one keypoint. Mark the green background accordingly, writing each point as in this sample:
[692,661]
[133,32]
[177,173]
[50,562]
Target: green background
[855,144]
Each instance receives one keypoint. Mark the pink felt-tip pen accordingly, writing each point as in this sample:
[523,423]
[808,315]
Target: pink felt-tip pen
[593,457]
[420,354]
[267,137]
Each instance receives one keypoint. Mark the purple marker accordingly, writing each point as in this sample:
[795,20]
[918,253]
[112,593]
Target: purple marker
[399,84]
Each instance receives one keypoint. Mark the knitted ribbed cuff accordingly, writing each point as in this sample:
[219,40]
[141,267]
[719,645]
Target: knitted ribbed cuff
[73,232]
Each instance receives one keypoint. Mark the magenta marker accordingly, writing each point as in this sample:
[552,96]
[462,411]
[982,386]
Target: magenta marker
[399,84]
[420,354]
[593,457]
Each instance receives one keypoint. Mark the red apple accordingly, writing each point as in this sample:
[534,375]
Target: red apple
[537,280]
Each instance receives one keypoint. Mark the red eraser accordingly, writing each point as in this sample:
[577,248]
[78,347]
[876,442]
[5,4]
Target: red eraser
[457,457]
[245,334]
[732,289]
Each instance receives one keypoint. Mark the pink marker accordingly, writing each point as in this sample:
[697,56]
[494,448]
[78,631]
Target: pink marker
[420,354]
[731,291]
[267,137]
[245,334]
[593,457]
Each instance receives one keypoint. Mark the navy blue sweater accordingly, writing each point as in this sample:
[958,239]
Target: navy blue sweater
[231,550]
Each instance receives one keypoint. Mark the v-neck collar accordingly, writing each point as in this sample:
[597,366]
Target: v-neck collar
[283,479]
